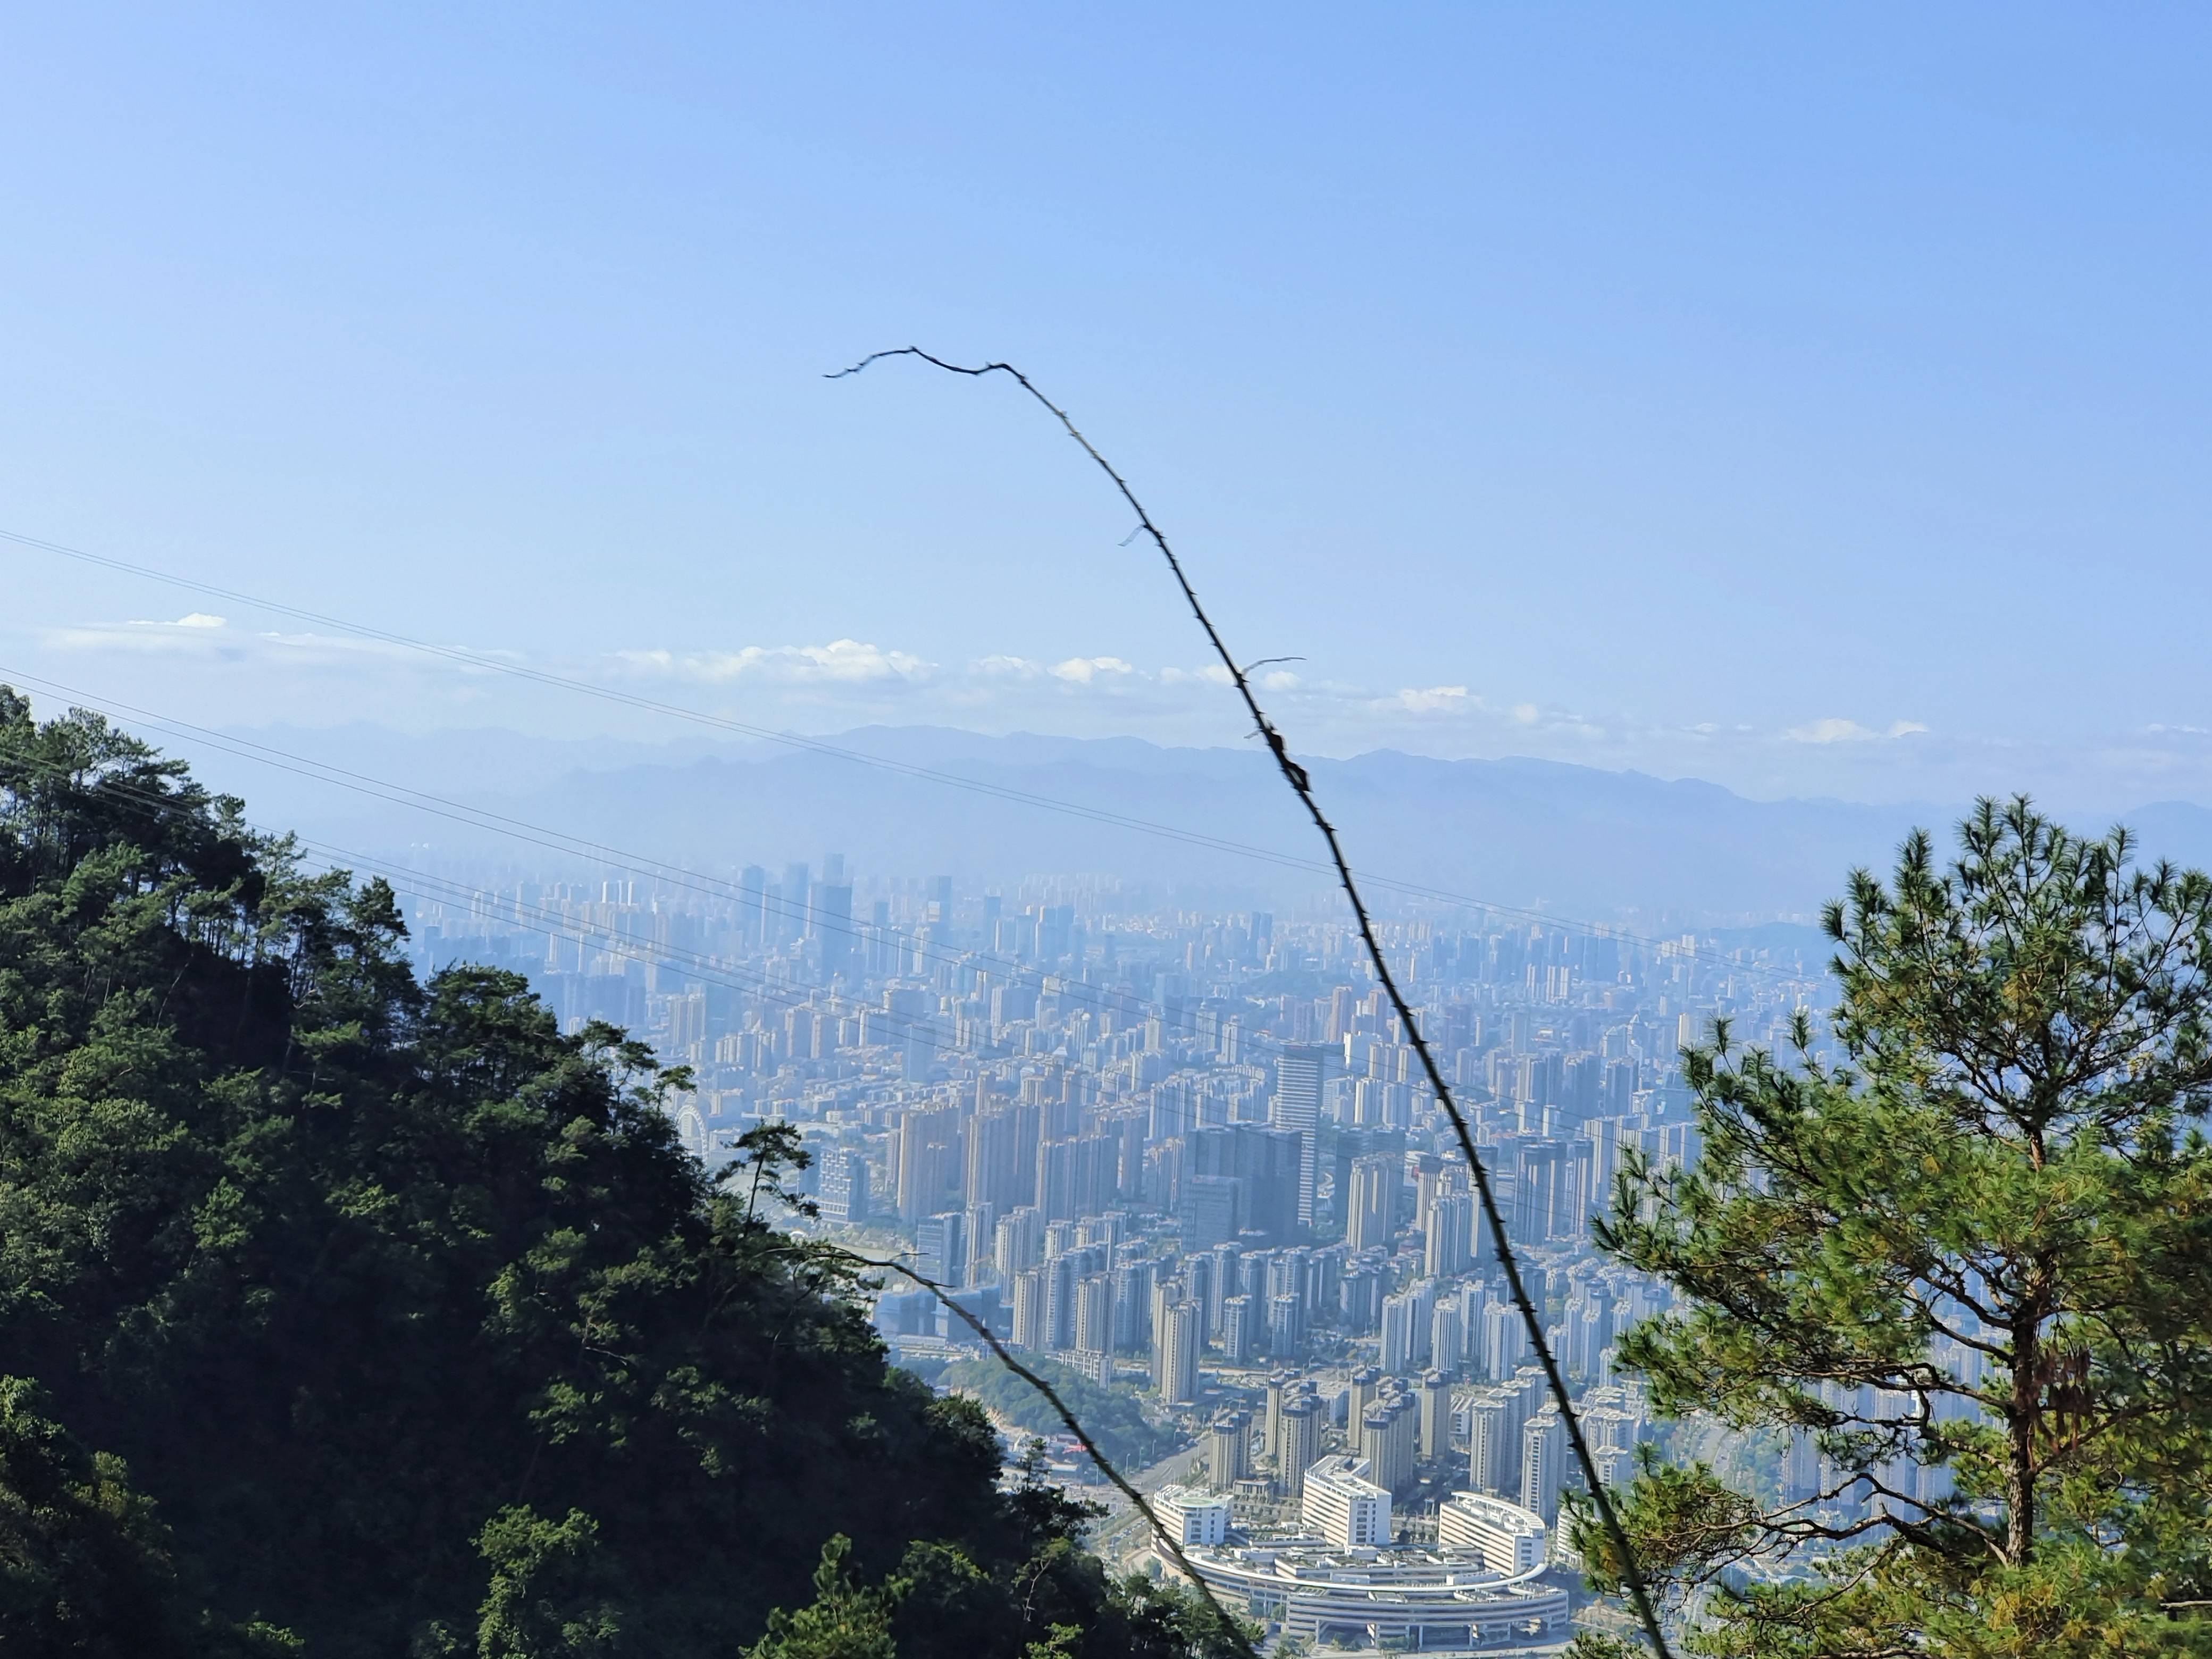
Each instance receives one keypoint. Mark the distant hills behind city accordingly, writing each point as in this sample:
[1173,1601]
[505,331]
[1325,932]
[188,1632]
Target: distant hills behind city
[1579,841]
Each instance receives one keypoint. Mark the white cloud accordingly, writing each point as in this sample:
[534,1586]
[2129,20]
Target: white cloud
[1435,699]
[1835,730]
[190,632]
[849,662]
[1086,671]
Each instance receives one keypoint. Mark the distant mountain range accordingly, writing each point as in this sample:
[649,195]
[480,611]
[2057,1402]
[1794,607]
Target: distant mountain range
[920,801]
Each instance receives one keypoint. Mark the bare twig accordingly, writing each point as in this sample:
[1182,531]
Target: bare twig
[1168,1541]
[1302,784]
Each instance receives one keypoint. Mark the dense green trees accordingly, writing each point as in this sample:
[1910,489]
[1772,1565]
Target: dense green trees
[353,1316]
[1113,1419]
[1971,1263]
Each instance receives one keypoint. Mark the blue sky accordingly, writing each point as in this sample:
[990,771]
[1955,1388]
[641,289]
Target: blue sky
[1811,399]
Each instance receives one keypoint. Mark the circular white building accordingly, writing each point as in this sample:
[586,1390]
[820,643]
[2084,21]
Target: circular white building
[1417,1598]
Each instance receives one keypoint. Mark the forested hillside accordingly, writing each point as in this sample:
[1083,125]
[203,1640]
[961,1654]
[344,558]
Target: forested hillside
[347,1315]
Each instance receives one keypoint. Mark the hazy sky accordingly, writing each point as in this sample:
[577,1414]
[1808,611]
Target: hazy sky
[1811,399]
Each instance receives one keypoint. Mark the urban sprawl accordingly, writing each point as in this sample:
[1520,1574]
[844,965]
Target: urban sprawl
[1193,1156]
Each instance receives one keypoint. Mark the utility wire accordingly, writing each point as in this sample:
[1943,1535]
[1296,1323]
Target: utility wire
[914,944]
[1302,785]
[153,803]
[429,887]
[493,664]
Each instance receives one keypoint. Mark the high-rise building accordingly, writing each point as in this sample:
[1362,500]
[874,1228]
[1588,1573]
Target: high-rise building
[1446,1337]
[1300,1440]
[1029,1316]
[1341,1502]
[830,932]
[1266,1165]
[1078,1177]
[928,1160]
[1229,1450]
[844,1193]
[1191,1516]
[1132,1306]
[791,911]
[1511,1540]
[1388,1440]
[1300,1070]
[1543,1453]
[1366,1387]
[940,1244]
[1002,1156]
[1094,1315]
[1436,1416]
[1505,1338]
[1240,1330]
[1540,1204]
[1279,1387]
[1493,1442]
[1360,1298]
[1371,1209]
[1175,1348]
[1447,1235]
[1018,1242]
[1407,1326]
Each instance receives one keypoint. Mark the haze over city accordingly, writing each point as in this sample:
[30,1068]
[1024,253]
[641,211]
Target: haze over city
[657,999]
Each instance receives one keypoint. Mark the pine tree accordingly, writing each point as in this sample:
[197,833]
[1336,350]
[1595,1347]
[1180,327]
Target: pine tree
[1967,1262]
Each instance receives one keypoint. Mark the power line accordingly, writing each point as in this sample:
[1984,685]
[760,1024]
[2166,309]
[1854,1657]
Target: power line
[506,909]
[1302,785]
[815,745]
[150,802]
[913,945]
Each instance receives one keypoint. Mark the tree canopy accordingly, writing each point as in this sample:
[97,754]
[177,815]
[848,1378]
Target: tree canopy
[349,1314]
[1966,1267]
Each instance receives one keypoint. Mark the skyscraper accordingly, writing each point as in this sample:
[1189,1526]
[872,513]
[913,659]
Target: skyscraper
[1301,1442]
[1493,1443]
[941,1244]
[1543,1451]
[1370,1209]
[1446,1237]
[1299,1072]
[1175,1346]
[928,1159]
[1228,1449]
[1436,1415]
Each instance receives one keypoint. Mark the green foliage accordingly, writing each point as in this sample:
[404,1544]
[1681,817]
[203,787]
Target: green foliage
[85,1565]
[942,1605]
[547,1597]
[1111,1416]
[1973,1264]
[843,1622]
[416,1330]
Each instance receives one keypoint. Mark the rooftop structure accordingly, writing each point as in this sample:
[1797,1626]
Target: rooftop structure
[1511,1540]
[1344,1506]
[1418,1598]
[1193,1516]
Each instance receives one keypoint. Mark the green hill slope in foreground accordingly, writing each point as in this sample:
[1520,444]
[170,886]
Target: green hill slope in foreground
[345,1315]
